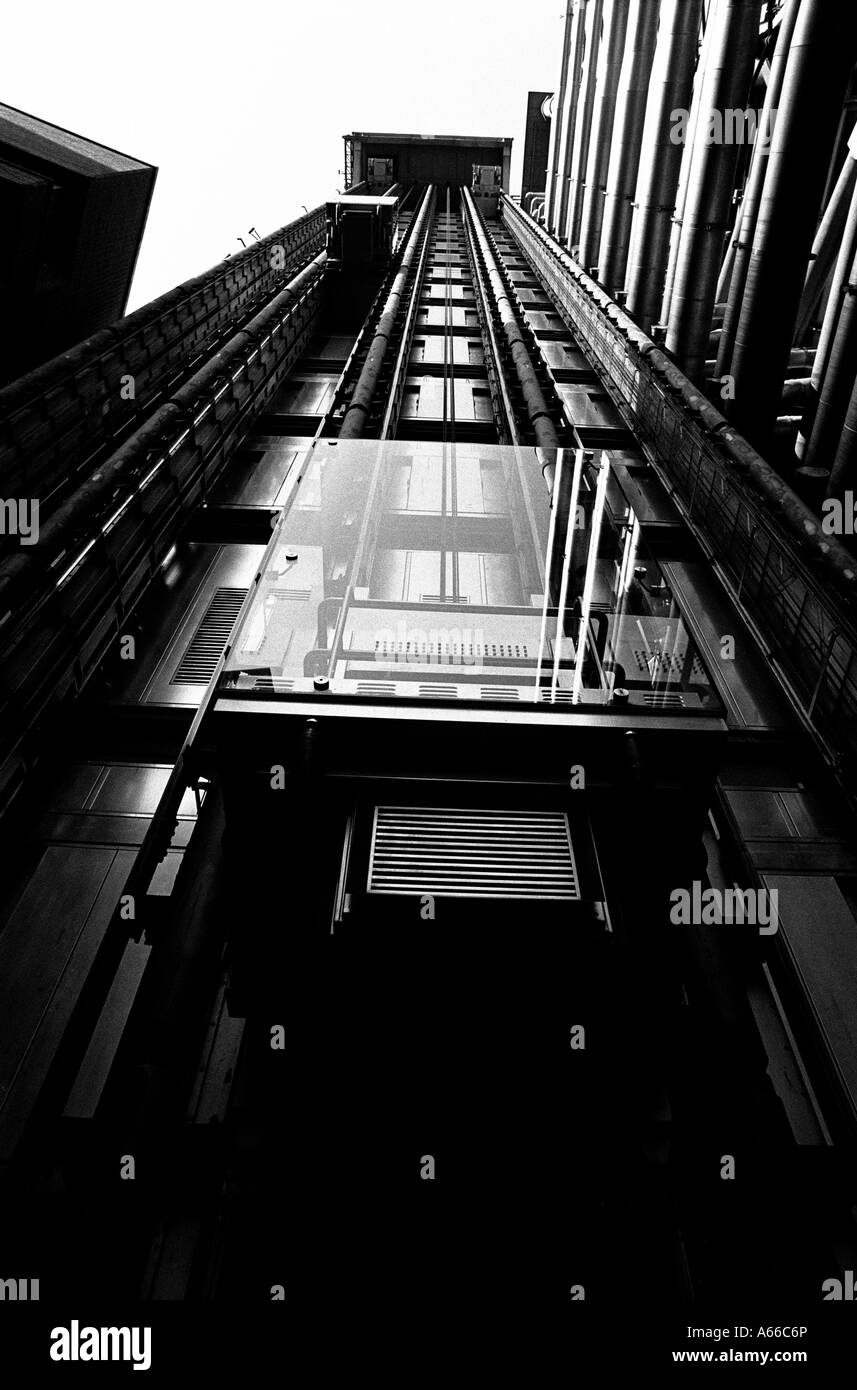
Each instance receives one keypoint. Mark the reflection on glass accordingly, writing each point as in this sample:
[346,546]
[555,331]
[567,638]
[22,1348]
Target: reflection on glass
[423,570]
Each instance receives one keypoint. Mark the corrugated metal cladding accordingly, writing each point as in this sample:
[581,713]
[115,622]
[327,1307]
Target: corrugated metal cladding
[473,853]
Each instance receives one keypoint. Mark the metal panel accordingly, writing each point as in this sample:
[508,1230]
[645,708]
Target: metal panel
[469,853]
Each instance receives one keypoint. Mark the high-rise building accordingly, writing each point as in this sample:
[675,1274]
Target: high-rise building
[428,739]
[73,219]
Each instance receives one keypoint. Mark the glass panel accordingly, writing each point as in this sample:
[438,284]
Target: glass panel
[402,570]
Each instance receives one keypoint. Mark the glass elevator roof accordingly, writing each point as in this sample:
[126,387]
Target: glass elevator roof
[403,570]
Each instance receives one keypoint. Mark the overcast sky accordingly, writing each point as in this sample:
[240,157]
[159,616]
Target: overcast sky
[243,106]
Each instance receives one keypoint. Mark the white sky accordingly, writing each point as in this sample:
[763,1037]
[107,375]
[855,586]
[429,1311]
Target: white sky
[243,106]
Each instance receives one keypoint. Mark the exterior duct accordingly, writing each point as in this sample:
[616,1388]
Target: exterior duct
[584,123]
[726,81]
[847,251]
[725,278]
[627,140]
[743,239]
[660,158]
[609,68]
[838,380]
[828,239]
[820,60]
[843,474]
[688,156]
[559,102]
[569,117]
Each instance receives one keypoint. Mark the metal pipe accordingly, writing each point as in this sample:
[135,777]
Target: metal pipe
[556,116]
[670,90]
[755,185]
[838,381]
[569,124]
[583,130]
[826,245]
[627,140]
[725,277]
[797,393]
[537,408]
[562,275]
[689,153]
[354,419]
[841,274]
[819,64]
[710,185]
[609,68]
[843,474]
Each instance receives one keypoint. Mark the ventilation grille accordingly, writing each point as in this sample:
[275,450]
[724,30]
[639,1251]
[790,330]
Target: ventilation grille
[559,697]
[376,688]
[499,692]
[280,684]
[296,595]
[205,648]
[438,692]
[473,854]
[664,699]
[446,598]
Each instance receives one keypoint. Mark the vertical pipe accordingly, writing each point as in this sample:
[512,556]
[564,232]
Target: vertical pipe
[627,140]
[660,158]
[584,124]
[753,190]
[843,474]
[819,64]
[569,124]
[711,182]
[556,115]
[725,278]
[613,42]
[689,152]
[825,248]
[839,377]
[847,249]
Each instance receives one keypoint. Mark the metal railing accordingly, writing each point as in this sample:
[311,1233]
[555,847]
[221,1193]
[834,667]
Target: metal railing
[795,585]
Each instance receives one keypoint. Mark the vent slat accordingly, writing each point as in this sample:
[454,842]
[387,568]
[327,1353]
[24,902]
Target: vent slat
[205,647]
[473,853]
